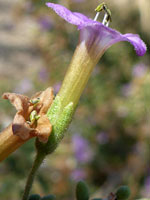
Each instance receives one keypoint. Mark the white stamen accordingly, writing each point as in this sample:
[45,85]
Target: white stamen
[107,24]
[96,16]
[105,19]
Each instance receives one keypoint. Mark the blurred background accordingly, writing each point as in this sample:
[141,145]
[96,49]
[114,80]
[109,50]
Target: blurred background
[108,142]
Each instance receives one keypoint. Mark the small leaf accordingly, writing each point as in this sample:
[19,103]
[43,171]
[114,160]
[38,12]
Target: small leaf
[82,192]
[97,199]
[34,197]
[49,197]
[123,193]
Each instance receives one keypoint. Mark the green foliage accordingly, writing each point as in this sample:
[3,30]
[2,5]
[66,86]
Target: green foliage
[37,197]
[123,193]
[97,199]
[49,197]
[82,191]
[34,197]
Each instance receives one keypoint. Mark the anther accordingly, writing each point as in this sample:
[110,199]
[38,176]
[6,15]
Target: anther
[107,16]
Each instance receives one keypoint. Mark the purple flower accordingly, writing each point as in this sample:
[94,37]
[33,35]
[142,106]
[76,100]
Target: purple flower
[24,86]
[102,138]
[139,70]
[78,174]
[94,35]
[57,87]
[126,89]
[146,189]
[45,23]
[43,75]
[82,150]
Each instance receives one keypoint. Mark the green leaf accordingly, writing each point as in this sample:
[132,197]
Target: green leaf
[82,192]
[34,197]
[123,193]
[49,197]
[97,199]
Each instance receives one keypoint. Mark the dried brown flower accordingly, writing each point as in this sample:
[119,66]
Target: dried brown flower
[23,125]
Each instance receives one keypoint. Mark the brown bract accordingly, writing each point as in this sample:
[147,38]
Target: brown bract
[21,125]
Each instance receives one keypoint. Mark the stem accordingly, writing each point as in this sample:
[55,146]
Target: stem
[77,75]
[61,111]
[37,162]
[9,142]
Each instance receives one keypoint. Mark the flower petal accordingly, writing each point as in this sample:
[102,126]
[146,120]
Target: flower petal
[75,18]
[115,36]
[44,128]
[46,98]
[20,127]
[20,102]
[139,45]
[98,34]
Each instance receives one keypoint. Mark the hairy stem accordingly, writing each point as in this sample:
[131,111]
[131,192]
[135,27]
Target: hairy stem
[37,162]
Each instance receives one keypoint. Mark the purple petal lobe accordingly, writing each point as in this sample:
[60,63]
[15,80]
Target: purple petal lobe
[72,17]
[136,41]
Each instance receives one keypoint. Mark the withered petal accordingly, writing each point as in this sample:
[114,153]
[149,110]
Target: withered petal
[43,128]
[46,98]
[20,127]
[20,102]
[36,95]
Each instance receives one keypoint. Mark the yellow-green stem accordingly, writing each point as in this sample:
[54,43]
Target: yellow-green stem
[77,75]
